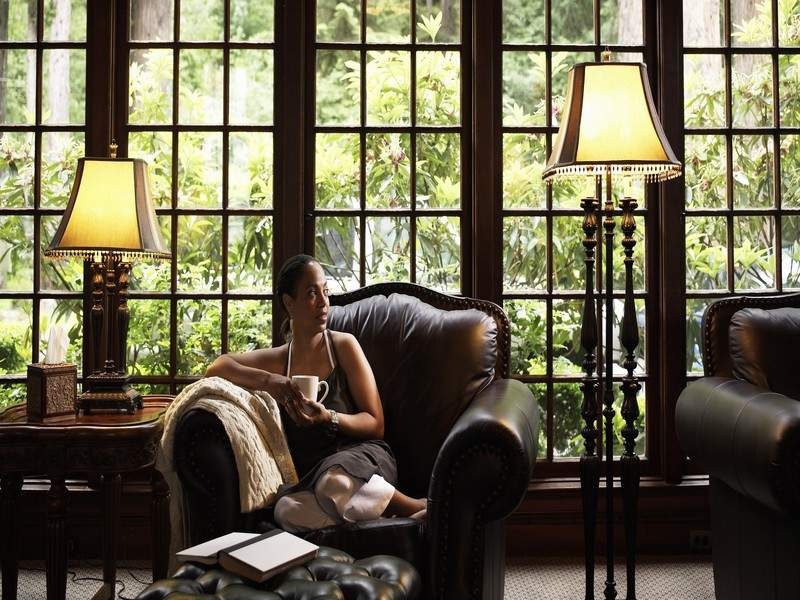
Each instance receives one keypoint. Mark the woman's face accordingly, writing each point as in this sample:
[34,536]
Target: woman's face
[309,307]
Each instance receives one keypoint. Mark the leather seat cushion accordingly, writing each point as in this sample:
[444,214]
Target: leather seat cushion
[428,364]
[763,347]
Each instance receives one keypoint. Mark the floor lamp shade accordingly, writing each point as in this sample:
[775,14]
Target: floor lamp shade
[109,211]
[610,125]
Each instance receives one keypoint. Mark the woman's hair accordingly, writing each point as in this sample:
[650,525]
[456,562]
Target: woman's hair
[288,276]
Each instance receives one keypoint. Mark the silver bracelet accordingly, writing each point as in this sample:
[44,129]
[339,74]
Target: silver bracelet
[333,426]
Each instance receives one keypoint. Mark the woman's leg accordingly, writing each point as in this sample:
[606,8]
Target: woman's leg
[300,512]
[401,505]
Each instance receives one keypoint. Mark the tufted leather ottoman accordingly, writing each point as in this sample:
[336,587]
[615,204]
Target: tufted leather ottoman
[333,575]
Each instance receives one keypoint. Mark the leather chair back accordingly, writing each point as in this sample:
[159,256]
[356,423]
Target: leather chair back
[429,362]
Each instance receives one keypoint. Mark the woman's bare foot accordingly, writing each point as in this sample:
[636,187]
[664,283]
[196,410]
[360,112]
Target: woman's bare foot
[404,506]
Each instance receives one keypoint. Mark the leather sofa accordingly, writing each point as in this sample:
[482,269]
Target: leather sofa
[464,435]
[741,422]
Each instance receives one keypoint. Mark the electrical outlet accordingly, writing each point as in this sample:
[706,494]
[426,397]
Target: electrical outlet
[700,540]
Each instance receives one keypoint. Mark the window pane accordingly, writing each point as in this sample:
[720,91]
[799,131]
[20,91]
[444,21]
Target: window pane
[790,251]
[201,87]
[201,20]
[528,319]
[753,252]
[60,153]
[251,90]
[252,21]
[64,83]
[154,275]
[567,421]
[790,171]
[788,19]
[387,249]
[562,62]
[16,169]
[249,325]
[67,316]
[752,90]
[706,253]
[388,82]
[694,334]
[151,20]
[524,157]
[524,256]
[198,335]
[523,21]
[18,87]
[438,20]
[567,351]
[155,147]
[150,87]
[388,21]
[704,90]
[250,170]
[572,21]
[524,88]
[16,252]
[388,170]
[702,22]
[439,253]
[148,337]
[199,170]
[199,253]
[337,171]
[336,247]
[567,193]
[438,170]
[250,253]
[21,22]
[789,75]
[16,326]
[751,23]
[621,24]
[57,274]
[338,20]
[64,21]
[438,88]
[338,95]
[706,180]
[752,171]
[569,266]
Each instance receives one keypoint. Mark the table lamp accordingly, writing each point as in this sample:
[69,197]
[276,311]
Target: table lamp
[610,127]
[109,221]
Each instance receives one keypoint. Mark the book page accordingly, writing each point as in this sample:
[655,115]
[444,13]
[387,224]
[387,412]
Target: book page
[210,548]
[274,551]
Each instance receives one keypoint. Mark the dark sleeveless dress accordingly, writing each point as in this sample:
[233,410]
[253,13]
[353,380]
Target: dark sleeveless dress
[315,449]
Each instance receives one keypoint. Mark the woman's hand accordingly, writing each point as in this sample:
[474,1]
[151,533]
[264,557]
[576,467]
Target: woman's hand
[300,409]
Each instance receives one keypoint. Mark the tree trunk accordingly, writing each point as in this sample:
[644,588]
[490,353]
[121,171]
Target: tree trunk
[3,58]
[702,22]
[58,63]
[742,11]
[629,22]
[150,20]
[30,73]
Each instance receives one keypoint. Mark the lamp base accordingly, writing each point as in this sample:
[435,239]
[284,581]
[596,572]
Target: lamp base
[108,391]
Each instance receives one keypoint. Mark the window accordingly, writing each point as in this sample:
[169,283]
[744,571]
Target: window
[42,133]
[543,257]
[200,81]
[741,113]
[389,142]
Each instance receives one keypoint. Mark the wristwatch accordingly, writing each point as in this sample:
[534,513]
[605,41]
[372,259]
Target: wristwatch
[333,426]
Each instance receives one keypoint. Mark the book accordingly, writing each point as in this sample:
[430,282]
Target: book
[207,553]
[255,556]
[268,554]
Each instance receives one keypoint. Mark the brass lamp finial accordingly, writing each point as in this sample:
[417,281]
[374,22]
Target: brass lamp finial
[112,148]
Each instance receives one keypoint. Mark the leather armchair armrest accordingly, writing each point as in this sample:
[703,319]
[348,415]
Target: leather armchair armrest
[744,435]
[480,475]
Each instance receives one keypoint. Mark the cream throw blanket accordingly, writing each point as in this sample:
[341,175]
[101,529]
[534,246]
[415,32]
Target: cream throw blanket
[253,424]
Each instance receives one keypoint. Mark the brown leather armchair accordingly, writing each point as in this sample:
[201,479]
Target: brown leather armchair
[742,423]
[464,435]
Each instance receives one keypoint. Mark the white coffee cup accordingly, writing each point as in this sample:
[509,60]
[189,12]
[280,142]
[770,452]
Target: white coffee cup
[310,385]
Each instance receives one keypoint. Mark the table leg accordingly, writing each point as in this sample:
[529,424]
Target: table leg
[10,487]
[56,557]
[112,491]
[160,524]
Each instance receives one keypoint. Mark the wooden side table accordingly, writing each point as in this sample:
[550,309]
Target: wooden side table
[104,445]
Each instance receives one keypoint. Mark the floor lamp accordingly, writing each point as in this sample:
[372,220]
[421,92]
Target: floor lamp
[610,128]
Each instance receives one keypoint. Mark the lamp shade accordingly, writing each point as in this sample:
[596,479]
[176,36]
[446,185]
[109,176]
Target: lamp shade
[109,211]
[610,125]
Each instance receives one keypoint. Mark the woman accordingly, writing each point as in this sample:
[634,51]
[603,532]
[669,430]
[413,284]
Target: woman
[347,472]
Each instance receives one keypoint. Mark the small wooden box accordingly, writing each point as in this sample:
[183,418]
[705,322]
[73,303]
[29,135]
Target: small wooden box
[51,390]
